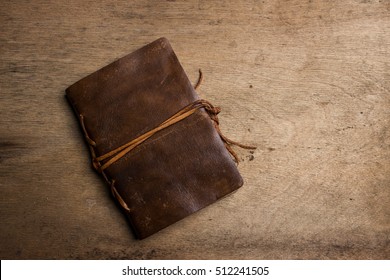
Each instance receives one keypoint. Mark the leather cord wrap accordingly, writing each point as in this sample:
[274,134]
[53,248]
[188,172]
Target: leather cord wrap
[185,112]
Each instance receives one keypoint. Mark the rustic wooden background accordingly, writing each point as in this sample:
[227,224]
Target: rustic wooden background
[306,81]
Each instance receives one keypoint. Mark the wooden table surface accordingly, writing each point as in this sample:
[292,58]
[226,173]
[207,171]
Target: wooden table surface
[307,82]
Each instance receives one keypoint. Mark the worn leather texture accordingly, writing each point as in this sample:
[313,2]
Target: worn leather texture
[180,169]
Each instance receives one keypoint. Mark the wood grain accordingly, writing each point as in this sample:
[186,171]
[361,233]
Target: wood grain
[306,81]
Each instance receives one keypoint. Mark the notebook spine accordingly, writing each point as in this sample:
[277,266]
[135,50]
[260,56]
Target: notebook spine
[96,164]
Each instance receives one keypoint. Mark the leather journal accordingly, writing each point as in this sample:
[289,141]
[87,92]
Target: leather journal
[152,139]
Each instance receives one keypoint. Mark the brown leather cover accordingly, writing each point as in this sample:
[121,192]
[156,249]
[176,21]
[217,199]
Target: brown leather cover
[180,169]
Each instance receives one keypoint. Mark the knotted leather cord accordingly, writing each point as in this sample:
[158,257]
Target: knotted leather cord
[213,116]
